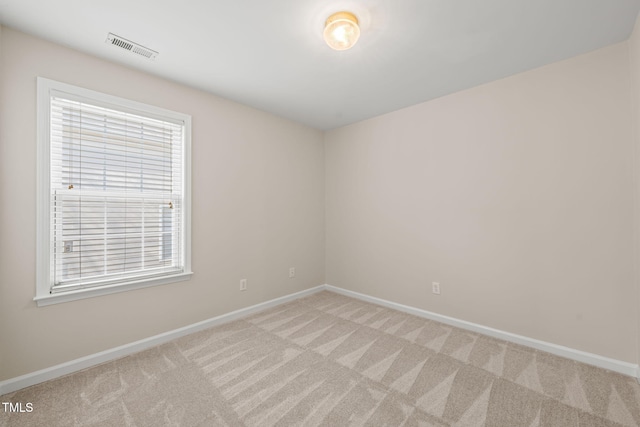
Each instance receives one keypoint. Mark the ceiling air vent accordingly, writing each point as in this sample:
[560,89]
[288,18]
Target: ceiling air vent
[131,46]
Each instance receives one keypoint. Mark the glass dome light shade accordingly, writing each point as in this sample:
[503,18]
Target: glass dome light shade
[341,30]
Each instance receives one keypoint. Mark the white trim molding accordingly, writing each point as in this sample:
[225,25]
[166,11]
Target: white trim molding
[615,365]
[26,380]
[13,384]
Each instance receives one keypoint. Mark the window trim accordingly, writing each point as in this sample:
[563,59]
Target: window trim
[44,267]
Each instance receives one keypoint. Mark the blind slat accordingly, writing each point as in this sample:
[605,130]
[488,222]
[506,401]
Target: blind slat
[116,180]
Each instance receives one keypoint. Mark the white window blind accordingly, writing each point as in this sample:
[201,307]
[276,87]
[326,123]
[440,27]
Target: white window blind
[116,207]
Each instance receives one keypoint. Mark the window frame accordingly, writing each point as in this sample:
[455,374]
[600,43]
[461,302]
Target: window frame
[44,258]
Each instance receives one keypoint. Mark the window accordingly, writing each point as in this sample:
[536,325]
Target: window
[113,194]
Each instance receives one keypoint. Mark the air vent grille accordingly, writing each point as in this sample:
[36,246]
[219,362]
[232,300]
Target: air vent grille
[131,46]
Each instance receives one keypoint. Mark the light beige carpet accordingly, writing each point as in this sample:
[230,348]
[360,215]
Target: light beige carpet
[334,361]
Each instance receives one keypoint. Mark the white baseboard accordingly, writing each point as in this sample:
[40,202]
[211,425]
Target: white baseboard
[27,380]
[619,366]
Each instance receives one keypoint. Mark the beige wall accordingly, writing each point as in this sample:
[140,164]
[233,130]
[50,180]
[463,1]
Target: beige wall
[634,53]
[3,318]
[258,195]
[517,196]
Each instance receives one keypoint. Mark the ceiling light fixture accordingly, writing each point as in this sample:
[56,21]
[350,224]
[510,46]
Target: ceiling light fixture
[341,30]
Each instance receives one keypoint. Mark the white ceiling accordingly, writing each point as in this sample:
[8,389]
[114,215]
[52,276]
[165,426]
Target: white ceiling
[270,54]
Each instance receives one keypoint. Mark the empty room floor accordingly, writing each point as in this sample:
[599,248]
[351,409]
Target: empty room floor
[332,360]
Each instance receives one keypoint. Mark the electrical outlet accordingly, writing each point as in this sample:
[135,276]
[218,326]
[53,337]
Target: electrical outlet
[435,288]
[243,284]
[292,272]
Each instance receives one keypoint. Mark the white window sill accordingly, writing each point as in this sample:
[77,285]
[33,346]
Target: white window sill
[58,298]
